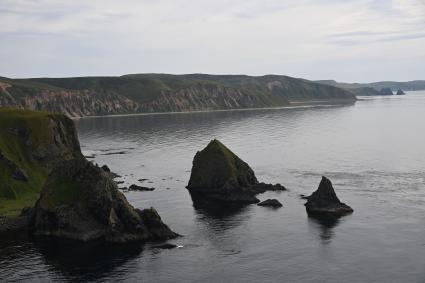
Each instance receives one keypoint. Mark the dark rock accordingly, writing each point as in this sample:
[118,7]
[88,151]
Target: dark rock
[142,180]
[26,211]
[217,173]
[139,188]
[106,168]
[166,246]
[20,175]
[119,182]
[400,92]
[386,91]
[113,153]
[325,202]
[270,202]
[304,196]
[80,201]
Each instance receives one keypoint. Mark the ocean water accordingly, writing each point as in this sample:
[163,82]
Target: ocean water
[373,151]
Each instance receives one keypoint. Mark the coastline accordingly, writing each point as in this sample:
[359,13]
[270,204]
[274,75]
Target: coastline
[292,105]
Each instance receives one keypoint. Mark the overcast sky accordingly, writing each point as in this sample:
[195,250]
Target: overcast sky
[346,40]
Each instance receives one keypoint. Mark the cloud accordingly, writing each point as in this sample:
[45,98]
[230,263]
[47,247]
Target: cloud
[299,38]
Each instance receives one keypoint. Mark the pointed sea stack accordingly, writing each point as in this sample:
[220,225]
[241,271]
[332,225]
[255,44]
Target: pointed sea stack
[219,174]
[325,202]
[400,92]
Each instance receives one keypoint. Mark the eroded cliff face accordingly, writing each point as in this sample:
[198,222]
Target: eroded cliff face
[91,103]
[149,93]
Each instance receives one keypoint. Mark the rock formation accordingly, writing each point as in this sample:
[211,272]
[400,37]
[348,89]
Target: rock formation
[80,201]
[400,92]
[219,174]
[31,144]
[324,202]
[271,203]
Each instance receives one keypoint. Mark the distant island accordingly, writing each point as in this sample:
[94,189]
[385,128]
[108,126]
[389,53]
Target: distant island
[153,93]
[377,88]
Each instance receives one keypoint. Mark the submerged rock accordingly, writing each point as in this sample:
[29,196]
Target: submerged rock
[139,188]
[325,202]
[166,246]
[80,201]
[219,174]
[105,168]
[270,202]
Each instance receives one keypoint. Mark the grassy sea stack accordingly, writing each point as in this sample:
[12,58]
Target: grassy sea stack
[219,174]
[324,202]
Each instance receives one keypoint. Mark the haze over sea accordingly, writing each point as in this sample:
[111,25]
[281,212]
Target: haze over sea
[373,151]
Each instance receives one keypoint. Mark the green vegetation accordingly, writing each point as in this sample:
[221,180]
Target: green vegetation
[23,134]
[374,88]
[63,192]
[216,165]
[142,88]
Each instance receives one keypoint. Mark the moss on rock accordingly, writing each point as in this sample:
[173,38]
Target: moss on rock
[31,144]
[220,174]
[80,201]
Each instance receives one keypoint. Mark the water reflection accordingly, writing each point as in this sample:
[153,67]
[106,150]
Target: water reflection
[219,216]
[86,261]
[325,225]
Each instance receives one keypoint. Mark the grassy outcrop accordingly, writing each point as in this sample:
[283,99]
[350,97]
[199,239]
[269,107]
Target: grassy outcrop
[218,173]
[80,201]
[31,143]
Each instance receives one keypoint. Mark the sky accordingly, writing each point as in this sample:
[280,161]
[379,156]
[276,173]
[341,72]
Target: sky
[345,40]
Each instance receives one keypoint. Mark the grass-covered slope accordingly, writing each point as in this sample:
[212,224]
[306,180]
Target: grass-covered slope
[31,143]
[144,93]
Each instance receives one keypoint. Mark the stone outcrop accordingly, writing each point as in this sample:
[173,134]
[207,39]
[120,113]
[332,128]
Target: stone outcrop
[324,202]
[81,202]
[219,174]
[400,92]
[270,202]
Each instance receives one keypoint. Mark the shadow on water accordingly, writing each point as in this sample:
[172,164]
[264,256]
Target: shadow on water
[86,261]
[325,225]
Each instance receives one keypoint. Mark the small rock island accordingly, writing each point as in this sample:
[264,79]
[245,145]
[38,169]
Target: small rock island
[400,92]
[324,202]
[219,174]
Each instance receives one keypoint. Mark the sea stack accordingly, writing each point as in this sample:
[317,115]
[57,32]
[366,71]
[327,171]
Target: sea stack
[400,92]
[81,202]
[219,174]
[324,202]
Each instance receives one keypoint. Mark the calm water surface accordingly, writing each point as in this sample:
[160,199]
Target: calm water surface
[373,151]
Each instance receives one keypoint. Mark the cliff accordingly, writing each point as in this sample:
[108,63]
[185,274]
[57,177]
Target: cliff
[150,93]
[371,89]
[45,179]
[31,145]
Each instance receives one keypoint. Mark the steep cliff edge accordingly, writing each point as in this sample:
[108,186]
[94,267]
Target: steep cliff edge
[150,93]
[31,144]
[41,167]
